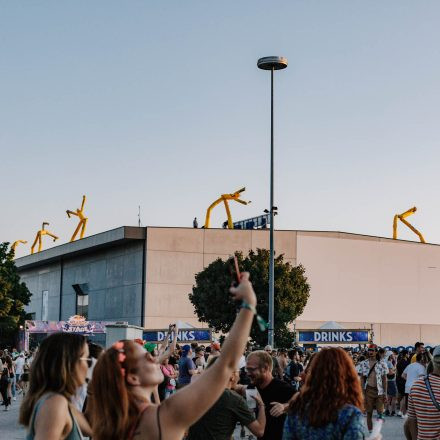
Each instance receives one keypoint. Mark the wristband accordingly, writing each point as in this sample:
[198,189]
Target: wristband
[245,305]
[262,324]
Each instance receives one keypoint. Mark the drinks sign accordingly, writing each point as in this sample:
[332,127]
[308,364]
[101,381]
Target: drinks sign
[333,336]
[184,335]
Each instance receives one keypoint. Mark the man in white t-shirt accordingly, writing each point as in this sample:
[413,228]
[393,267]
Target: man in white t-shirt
[413,372]
[19,363]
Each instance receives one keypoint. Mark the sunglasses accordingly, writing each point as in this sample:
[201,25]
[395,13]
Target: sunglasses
[88,360]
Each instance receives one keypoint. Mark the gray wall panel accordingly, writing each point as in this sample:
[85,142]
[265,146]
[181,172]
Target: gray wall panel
[114,278]
[97,305]
[38,280]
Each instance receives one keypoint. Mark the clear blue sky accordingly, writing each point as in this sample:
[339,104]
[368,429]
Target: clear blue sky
[161,104]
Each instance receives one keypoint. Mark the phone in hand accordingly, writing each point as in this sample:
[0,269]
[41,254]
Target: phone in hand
[235,270]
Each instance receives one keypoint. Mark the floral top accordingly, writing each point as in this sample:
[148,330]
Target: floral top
[380,369]
[348,426]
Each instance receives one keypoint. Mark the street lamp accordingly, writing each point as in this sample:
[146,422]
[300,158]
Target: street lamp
[272,64]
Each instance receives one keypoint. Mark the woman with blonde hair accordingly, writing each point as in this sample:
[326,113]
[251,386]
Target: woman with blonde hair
[126,374]
[329,405]
[58,370]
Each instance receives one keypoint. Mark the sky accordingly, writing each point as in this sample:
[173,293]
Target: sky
[161,104]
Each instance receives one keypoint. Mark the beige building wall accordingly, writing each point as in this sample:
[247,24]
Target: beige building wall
[176,255]
[359,280]
[355,280]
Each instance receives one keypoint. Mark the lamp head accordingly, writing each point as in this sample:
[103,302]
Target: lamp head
[272,63]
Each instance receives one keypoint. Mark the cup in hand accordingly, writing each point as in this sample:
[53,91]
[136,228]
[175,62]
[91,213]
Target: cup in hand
[251,402]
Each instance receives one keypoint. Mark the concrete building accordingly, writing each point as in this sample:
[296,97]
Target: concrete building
[143,276]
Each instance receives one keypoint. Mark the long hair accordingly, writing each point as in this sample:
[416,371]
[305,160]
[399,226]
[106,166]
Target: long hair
[54,369]
[113,408]
[8,361]
[331,383]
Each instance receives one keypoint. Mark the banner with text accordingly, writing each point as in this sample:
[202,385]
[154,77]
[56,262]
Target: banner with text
[75,324]
[183,336]
[333,336]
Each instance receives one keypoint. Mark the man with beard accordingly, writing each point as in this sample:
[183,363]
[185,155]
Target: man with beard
[259,369]
[374,381]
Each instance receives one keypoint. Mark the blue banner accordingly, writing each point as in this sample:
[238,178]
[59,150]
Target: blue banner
[184,335]
[333,336]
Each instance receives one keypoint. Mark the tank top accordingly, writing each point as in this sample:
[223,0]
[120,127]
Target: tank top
[75,434]
[142,410]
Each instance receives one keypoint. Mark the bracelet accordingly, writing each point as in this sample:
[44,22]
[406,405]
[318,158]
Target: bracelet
[245,305]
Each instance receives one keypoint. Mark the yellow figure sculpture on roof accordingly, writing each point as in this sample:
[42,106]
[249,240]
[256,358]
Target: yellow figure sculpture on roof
[82,220]
[16,243]
[224,198]
[38,238]
[402,217]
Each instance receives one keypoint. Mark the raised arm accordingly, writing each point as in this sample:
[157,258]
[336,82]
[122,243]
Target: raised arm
[176,414]
[170,350]
[83,202]
[163,344]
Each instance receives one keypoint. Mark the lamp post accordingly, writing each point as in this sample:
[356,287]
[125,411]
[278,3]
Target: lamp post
[272,64]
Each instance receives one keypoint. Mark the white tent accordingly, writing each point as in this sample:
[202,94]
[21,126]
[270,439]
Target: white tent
[184,325]
[331,325]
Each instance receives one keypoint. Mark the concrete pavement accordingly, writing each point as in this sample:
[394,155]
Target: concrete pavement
[392,430]
[10,430]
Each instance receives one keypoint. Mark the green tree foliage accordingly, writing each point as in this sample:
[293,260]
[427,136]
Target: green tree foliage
[14,295]
[213,304]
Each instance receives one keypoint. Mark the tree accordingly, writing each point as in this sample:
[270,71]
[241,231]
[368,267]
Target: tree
[213,304]
[14,295]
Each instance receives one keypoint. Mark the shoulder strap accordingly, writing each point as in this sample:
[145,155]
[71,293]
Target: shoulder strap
[371,370]
[138,419]
[431,394]
[75,425]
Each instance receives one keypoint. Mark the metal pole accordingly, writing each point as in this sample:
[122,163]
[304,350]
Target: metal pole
[270,334]
[271,63]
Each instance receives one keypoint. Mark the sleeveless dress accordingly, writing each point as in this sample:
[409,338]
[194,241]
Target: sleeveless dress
[75,433]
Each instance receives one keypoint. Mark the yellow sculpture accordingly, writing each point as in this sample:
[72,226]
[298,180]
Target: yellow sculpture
[39,235]
[402,217]
[224,198]
[16,243]
[82,220]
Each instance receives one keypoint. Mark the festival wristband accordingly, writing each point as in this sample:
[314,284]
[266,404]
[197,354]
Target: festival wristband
[262,324]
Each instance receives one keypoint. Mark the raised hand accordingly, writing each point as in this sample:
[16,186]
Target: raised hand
[244,291]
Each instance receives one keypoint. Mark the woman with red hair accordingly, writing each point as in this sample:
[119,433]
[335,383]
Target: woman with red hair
[126,375]
[329,405]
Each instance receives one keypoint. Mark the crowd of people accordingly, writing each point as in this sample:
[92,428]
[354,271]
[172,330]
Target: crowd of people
[14,375]
[135,390]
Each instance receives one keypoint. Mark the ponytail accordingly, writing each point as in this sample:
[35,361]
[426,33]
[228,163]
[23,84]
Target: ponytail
[112,407]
